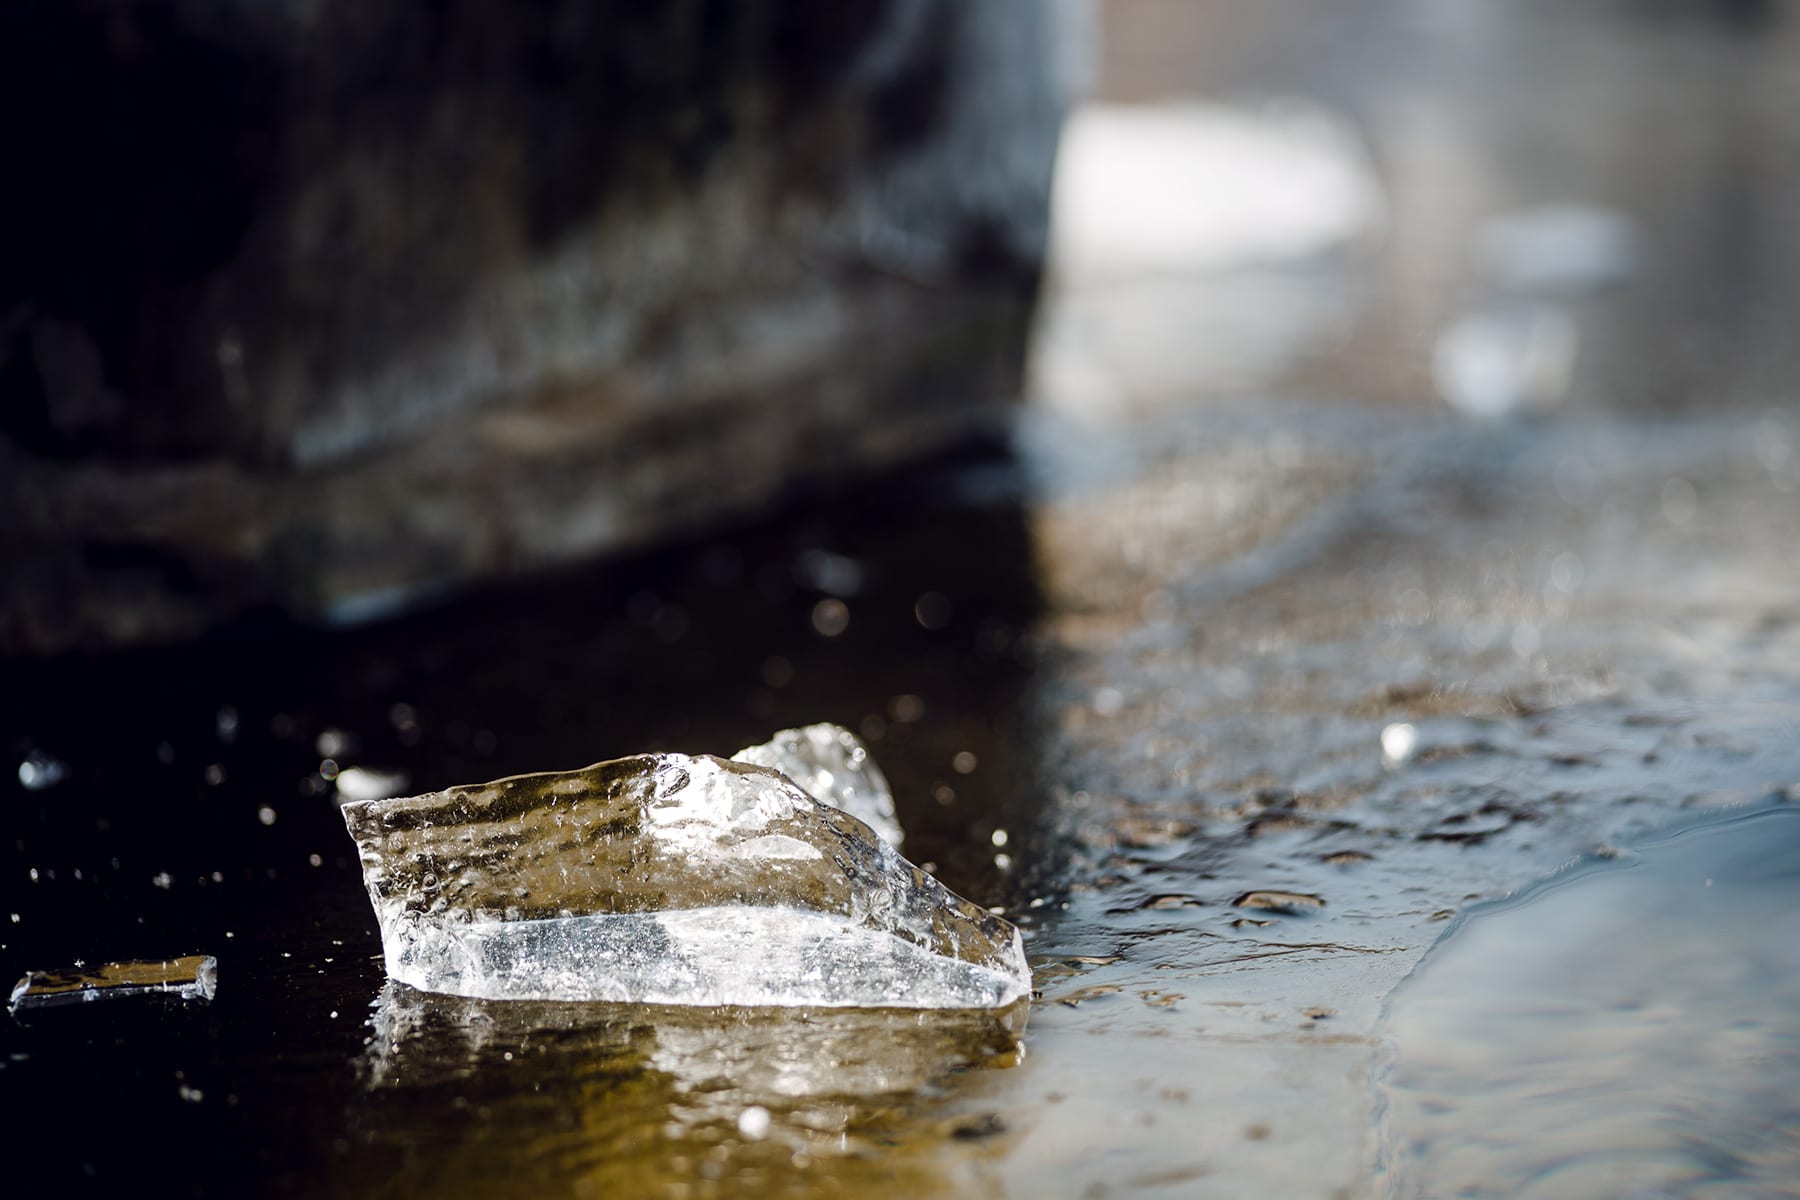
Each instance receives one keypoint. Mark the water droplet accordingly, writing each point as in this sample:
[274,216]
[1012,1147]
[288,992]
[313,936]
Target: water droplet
[932,610]
[1398,741]
[40,771]
[753,1122]
[1566,572]
[906,708]
[830,617]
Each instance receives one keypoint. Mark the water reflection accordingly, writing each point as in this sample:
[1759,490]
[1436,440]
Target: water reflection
[468,1096]
[1630,1027]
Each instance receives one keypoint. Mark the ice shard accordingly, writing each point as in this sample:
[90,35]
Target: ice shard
[832,765]
[194,977]
[669,879]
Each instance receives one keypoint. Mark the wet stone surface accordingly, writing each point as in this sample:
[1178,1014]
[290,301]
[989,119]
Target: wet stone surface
[1245,671]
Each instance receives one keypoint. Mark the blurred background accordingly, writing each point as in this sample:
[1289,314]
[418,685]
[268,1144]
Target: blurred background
[1262,478]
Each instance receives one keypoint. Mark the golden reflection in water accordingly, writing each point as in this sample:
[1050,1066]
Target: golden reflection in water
[473,1097]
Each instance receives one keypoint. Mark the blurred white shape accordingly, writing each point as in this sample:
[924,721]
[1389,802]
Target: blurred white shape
[334,743]
[367,783]
[1185,245]
[833,574]
[1398,741]
[1558,249]
[1099,349]
[1499,362]
[753,1122]
[40,771]
[1199,187]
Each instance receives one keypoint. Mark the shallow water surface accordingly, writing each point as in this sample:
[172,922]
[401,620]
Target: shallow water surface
[1629,1027]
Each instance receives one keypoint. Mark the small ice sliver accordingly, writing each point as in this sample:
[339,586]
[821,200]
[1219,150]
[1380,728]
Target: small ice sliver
[669,879]
[194,977]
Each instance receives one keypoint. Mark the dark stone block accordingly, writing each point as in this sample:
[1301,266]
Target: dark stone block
[336,305]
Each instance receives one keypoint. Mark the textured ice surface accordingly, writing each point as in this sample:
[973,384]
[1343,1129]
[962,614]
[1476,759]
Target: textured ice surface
[832,765]
[672,880]
[194,977]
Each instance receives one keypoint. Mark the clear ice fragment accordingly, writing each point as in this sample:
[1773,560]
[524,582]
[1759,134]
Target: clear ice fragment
[832,766]
[194,977]
[669,879]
